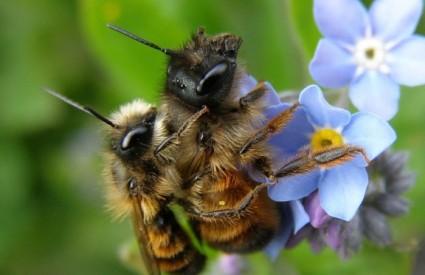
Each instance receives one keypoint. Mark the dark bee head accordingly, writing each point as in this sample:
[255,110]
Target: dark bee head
[135,131]
[202,72]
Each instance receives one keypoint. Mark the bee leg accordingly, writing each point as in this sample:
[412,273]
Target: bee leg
[305,162]
[272,127]
[192,180]
[237,211]
[173,139]
[308,161]
[259,90]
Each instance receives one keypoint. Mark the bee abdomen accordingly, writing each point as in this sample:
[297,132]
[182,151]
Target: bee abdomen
[172,248]
[250,231]
[188,262]
[253,238]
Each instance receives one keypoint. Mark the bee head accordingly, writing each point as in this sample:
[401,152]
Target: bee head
[202,72]
[131,129]
[134,136]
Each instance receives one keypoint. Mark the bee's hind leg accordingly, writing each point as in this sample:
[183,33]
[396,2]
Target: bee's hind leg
[303,163]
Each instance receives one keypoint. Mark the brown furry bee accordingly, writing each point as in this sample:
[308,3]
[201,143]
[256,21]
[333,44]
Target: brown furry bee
[143,183]
[196,150]
[228,209]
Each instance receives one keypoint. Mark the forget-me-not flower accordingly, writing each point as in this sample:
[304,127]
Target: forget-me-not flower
[371,51]
[318,126]
[293,218]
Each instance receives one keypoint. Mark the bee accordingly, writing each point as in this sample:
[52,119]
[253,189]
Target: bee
[143,182]
[229,209]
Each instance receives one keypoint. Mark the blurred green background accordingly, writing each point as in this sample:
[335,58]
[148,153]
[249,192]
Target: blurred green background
[52,214]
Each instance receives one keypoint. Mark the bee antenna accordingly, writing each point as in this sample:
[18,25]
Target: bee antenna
[86,109]
[141,40]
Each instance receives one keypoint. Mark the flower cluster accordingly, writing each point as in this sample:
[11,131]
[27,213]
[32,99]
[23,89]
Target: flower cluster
[372,52]
[383,199]
[323,194]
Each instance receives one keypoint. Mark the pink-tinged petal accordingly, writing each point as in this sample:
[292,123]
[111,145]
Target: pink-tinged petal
[376,93]
[342,20]
[334,236]
[299,215]
[320,112]
[295,187]
[332,66]
[342,189]
[407,61]
[318,217]
[370,132]
[294,240]
[231,264]
[316,243]
[395,20]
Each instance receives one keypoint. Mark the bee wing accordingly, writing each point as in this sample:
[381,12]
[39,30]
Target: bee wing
[149,263]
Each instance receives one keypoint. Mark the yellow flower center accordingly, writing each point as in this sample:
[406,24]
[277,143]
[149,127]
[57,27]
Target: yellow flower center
[325,138]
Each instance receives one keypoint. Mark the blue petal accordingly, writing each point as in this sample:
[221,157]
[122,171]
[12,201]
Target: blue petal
[342,20]
[342,190]
[332,66]
[407,61]
[376,93]
[271,96]
[294,187]
[394,20]
[370,132]
[320,112]
[274,110]
[247,83]
[294,136]
[360,160]
[299,215]
[281,237]
[255,174]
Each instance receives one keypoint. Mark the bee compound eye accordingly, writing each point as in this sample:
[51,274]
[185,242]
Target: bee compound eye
[160,221]
[130,139]
[211,77]
[132,186]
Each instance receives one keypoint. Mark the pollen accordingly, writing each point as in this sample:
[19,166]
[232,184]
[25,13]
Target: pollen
[325,138]
[221,203]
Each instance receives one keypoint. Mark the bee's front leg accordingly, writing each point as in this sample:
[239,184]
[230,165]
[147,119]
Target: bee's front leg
[249,99]
[274,126]
[173,140]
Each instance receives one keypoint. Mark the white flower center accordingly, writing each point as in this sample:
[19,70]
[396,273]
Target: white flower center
[370,54]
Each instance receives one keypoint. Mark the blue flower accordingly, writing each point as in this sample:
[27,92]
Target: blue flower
[371,51]
[231,264]
[341,188]
[293,218]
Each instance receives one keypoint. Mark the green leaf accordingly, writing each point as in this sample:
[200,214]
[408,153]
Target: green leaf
[135,68]
[302,16]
